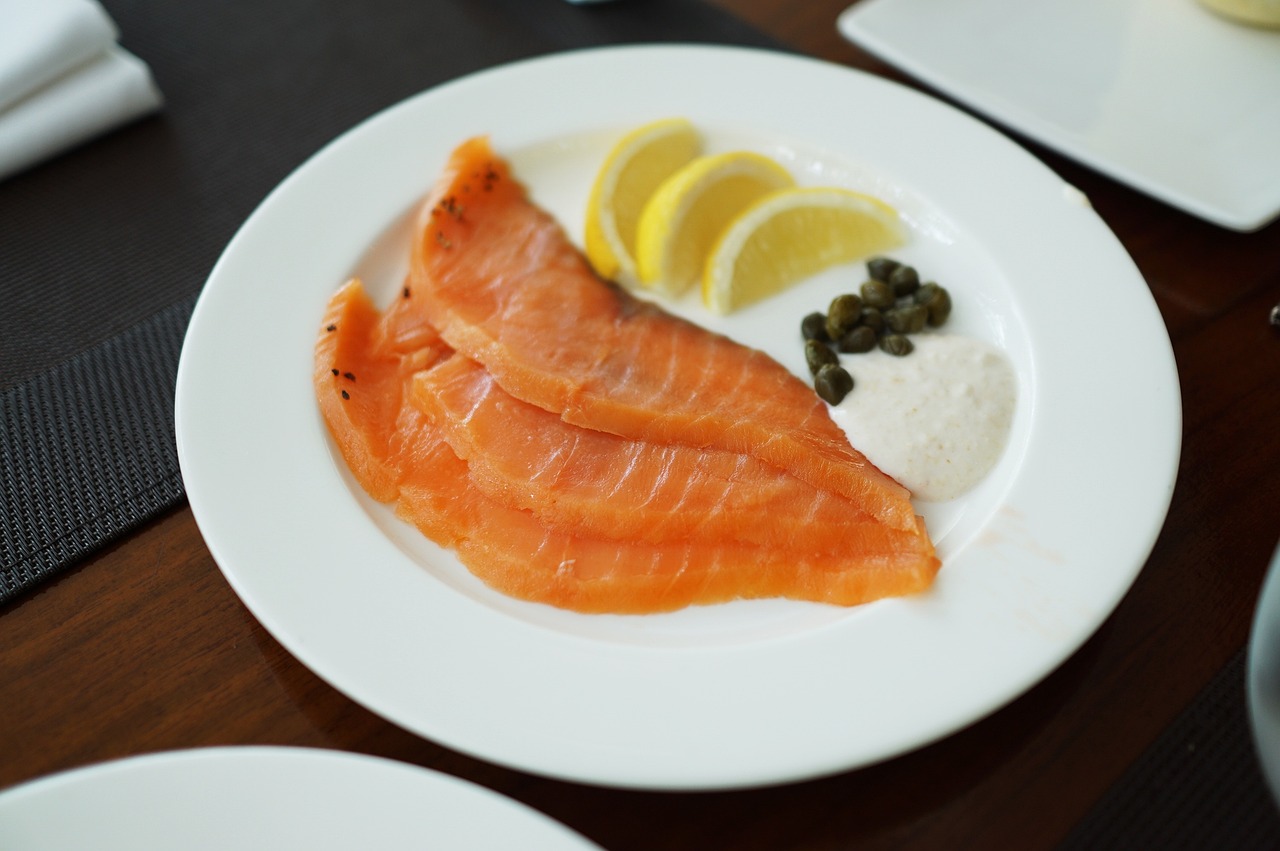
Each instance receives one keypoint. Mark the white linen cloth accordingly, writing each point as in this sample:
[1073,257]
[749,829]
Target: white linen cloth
[63,79]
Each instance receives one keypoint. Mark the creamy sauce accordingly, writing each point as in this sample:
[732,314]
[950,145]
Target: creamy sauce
[936,420]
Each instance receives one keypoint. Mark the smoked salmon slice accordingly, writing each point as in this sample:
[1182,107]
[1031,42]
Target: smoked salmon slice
[368,367]
[613,487]
[503,285]
[511,551]
[359,347]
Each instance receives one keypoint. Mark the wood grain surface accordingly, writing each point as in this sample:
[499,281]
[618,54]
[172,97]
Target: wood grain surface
[144,647]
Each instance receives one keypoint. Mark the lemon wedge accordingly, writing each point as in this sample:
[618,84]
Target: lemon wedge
[634,168]
[682,220]
[790,234]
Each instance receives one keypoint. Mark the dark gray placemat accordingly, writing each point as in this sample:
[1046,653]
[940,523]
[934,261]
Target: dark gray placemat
[87,449]
[103,250]
[1199,786]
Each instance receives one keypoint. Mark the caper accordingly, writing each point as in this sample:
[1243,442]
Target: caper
[843,313]
[907,320]
[880,268]
[873,319]
[877,294]
[814,327]
[818,355]
[857,340]
[926,291]
[904,280]
[939,306]
[896,344]
[833,382]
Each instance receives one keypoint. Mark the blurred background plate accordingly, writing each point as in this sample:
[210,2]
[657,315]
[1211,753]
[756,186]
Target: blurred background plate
[1264,677]
[1162,95]
[248,798]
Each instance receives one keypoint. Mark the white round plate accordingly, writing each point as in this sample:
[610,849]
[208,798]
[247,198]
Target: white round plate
[740,694]
[267,798]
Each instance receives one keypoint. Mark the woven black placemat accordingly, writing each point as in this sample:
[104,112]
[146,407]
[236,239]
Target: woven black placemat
[88,450]
[1199,786]
[104,250]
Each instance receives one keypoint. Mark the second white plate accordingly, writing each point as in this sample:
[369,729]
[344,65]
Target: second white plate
[266,799]
[1162,95]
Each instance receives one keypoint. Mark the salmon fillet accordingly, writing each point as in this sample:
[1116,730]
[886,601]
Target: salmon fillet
[511,551]
[367,368]
[504,286]
[613,487]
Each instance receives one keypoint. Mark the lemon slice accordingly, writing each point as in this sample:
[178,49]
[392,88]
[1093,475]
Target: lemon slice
[632,171]
[791,234]
[686,214]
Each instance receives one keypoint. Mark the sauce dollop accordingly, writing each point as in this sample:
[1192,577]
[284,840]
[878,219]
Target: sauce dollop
[936,420]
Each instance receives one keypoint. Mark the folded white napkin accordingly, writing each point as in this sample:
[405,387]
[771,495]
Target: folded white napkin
[63,79]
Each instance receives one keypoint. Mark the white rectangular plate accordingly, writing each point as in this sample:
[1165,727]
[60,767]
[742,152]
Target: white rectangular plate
[1162,95]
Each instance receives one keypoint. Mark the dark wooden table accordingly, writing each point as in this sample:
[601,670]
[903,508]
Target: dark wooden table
[145,647]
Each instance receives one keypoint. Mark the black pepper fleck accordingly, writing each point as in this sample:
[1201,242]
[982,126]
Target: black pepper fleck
[451,206]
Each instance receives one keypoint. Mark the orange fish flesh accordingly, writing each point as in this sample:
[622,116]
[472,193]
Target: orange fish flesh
[503,285]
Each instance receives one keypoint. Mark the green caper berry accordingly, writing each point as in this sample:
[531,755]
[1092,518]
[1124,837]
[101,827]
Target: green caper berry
[873,319]
[907,320]
[939,307]
[896,344]
[843,313]
[904,280]
[926,291]
[858,340]
[833,383]
[814,327]
[880,268]
[877,294]
[818,355]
